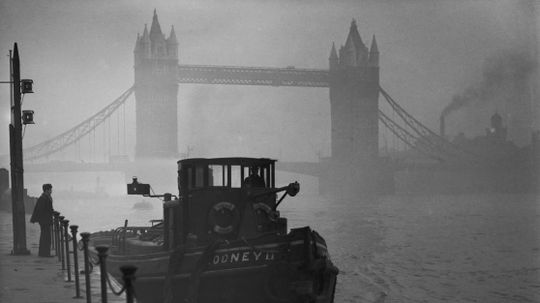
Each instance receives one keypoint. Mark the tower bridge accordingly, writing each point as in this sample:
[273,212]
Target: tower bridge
[352,79]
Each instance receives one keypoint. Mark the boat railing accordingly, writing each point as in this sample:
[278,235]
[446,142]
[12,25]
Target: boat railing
[144,233]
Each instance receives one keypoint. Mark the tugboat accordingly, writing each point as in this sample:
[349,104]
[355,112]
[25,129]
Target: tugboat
[223,240]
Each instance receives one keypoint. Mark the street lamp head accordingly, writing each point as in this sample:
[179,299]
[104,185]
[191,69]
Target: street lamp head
[26,86]
[28,116]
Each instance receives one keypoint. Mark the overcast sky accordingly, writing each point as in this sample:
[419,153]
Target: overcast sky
[80,56]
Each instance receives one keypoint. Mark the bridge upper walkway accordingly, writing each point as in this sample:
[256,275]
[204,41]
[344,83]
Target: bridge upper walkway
[260,76]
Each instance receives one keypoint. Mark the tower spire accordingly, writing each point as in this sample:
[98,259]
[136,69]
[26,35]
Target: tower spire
[374,48]
[137,42]
[144,44]
[373,53]
[354,41]
[155,29]
[145,36]
[355,37]
[172,36]
[158,43]
[172,44]
[347,54]
[333,59]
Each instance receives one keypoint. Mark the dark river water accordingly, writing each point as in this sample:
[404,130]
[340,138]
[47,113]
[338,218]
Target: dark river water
[399,248]
[460,248]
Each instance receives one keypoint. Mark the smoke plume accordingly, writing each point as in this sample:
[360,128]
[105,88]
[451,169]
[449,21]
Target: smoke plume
[505,77]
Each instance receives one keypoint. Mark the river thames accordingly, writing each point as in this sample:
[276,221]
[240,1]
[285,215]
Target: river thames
[394,248]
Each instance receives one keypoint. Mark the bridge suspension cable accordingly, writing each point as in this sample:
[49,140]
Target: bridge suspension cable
[426,141]
[76,133]
[406,137]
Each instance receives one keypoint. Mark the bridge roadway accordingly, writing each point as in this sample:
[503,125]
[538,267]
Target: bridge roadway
[129,167]
[235,75]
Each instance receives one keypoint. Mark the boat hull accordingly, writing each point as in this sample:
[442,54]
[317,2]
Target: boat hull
[270,268]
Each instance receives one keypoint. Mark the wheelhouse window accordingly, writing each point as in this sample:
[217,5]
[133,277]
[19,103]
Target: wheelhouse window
[197,175]
[236,176]
[218,175]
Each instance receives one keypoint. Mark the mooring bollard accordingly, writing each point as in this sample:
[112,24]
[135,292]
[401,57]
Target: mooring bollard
[75,260]
[66,240]
[128,272]
[55,233]
[102,254]
[85,238]
[61,236]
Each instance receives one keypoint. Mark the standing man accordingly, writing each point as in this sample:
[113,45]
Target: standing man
[43,214]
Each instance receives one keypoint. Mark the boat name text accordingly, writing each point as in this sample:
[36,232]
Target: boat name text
[242,257]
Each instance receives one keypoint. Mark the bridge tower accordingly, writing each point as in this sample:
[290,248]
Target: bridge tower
[156,90]
[354,105]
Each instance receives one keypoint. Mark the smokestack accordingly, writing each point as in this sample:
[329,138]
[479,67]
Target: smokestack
[442,126]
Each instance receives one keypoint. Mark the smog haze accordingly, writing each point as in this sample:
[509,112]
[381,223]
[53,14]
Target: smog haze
[80,56]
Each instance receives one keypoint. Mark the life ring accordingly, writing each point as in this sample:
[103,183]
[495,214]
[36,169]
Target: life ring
[263,208]
[223,217]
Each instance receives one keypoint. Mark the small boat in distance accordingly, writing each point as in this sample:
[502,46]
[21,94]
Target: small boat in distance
[223,240]
[143,205]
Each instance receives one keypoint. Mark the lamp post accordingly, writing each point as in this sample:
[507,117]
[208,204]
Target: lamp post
[15,152]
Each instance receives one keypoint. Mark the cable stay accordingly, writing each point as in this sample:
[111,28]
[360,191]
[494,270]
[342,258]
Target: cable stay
[408,138]
[76,133]
[445,148]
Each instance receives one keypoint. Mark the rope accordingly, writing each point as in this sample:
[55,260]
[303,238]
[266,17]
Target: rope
[91,267]
[93,260]
[119,292]
[80,246]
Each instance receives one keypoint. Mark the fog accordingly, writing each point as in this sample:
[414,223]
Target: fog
[80,56]
[466,59]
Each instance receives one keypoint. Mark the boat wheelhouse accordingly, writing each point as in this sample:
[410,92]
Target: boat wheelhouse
[223,239]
